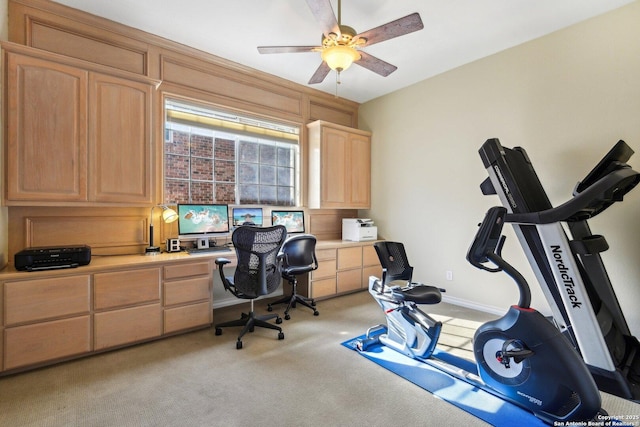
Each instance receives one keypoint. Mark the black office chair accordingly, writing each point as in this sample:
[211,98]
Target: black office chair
[395,266]
[297,256]
[257,274]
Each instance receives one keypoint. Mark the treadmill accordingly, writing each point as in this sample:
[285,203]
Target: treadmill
[566,259]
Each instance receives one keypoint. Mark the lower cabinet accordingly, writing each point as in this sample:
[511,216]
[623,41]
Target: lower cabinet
[187,296]
[370,265]
[126,307]
[47,317]
[187,317]
[349,269]
[323,279]
[128,325]
[346,267]
[46,341]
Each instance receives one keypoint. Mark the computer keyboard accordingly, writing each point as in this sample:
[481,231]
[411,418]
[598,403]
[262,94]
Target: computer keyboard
[196,251]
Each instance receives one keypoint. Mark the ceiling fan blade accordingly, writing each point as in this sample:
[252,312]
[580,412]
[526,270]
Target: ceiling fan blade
[287,49]
[399,27]
[320,74]
[323,13]
[374,64]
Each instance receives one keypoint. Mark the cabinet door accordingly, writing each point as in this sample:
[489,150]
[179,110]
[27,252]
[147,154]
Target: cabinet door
[334,151]
[120,135]
[359,171]
[47,131]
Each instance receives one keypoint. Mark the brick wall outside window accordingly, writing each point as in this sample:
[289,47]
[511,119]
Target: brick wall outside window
[206,166]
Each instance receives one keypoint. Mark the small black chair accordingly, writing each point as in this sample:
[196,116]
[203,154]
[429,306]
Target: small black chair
[297,256]
[257,273]
[395,266]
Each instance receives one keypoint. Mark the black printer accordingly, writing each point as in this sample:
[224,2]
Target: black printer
[52,257]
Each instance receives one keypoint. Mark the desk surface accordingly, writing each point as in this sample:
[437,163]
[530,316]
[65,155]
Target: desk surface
[114,262]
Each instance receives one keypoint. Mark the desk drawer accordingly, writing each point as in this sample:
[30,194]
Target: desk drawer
[123,288]
[349,258]
[370,256]
[349,280]
[176,271]
[189,316]
[34,300]
[326,268]
[323,288]
[323,254]
[118,327]
[188,290]
[30,344]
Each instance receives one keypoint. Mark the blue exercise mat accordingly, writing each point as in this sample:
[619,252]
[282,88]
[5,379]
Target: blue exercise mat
[465,396]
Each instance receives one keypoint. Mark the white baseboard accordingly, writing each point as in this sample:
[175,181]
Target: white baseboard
[474,305]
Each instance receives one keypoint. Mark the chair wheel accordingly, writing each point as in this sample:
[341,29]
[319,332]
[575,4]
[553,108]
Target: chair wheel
[316,313]
[281,336]
[218,331]
[287,317]
[279,320]
[269,308]
[252,329]
[238,345]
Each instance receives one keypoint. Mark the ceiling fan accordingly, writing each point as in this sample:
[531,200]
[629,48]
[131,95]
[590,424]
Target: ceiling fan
[341,44]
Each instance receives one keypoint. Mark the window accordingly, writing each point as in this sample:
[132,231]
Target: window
[216,157]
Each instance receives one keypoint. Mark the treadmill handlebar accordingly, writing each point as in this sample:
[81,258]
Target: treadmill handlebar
[586,204]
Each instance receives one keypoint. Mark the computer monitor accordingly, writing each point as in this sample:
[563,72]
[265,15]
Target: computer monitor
[200,220]
[247,216]
[292,220]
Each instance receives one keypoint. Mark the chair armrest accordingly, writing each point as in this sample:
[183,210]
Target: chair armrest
[227,282]
[222,261]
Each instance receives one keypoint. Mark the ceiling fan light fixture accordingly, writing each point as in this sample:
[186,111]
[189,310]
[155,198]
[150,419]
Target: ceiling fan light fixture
[340,57]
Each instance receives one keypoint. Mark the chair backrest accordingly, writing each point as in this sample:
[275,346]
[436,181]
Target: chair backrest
[394,261]
[257,248]
[298,255]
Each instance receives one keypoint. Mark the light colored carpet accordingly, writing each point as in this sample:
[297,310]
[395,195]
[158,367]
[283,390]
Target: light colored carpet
[199,379]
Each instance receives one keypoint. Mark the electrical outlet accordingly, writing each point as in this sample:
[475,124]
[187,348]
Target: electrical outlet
[449,275]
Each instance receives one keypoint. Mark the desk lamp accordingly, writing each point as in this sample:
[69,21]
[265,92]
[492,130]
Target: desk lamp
[168,216]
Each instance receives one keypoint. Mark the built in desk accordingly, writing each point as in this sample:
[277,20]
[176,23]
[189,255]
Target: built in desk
[115,301]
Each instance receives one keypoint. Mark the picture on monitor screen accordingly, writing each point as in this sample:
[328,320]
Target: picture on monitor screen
[292,220]
[247,216]
[203,219]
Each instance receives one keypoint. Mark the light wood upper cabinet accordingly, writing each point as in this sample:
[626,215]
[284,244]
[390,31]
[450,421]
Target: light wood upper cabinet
[120,152]
[75,134]
[339,167]
[46,130]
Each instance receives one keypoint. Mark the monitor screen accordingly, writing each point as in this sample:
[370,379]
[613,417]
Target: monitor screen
[247,216]
[292,220]
[202,219]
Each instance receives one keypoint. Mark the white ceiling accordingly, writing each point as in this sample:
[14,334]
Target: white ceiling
[455,32]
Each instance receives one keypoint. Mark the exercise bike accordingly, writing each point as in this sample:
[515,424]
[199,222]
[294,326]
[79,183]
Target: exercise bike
[520,357]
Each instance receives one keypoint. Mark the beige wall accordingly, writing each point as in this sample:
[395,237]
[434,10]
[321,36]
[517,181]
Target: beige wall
[566,98]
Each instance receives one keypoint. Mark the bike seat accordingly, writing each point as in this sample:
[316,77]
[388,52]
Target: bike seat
[419,293]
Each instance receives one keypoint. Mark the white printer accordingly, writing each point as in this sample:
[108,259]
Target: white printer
[358,229]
